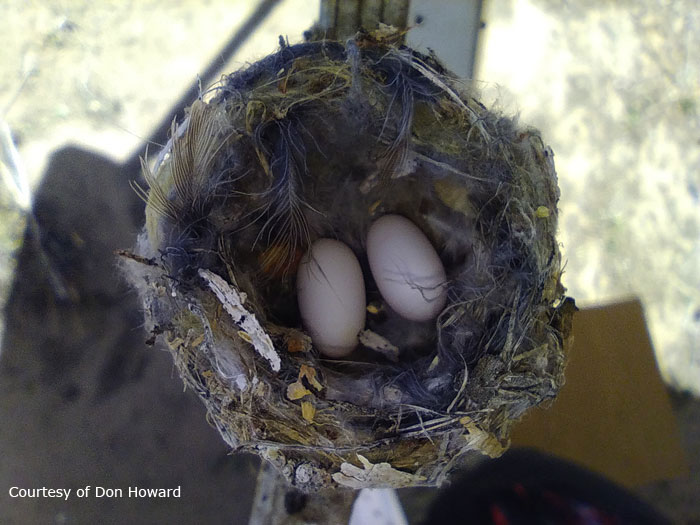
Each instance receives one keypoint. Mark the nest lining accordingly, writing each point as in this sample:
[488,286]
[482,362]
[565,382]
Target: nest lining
[318,140]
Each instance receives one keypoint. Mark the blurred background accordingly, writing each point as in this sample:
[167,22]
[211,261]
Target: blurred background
[613,86]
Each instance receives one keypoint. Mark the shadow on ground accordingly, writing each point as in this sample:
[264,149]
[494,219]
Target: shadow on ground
[83,401]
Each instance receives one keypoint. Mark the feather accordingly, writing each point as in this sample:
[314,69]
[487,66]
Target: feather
[285,229]
[193,156]
[154,195]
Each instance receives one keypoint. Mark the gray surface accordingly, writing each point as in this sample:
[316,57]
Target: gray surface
[83,401]
[448,28]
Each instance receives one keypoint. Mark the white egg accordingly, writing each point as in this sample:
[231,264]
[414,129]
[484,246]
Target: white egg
[331,296]
[408,272]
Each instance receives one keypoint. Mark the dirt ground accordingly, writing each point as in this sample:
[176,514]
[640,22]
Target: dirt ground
[615,88]
[75,372]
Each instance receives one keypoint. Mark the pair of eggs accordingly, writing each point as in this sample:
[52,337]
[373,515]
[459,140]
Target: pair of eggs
[331,290]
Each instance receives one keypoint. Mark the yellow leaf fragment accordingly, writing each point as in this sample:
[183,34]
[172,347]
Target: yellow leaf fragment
[309,373]
[296,391]
[308,411]
[479,439]
[374,308]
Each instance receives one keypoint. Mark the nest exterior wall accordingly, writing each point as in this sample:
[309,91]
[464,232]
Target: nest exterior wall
[318,140]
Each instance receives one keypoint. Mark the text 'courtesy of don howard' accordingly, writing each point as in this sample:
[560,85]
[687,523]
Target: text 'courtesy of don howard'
[94,492]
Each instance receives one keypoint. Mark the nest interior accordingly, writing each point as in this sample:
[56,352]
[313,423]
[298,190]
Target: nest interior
[319,140]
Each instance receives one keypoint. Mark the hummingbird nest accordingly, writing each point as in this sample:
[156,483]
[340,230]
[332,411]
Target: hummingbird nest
[318,140]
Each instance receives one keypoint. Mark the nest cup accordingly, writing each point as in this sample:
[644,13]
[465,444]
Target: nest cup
[316,141]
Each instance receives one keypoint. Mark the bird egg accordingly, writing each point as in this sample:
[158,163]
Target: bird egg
[331,296]
[408,272]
